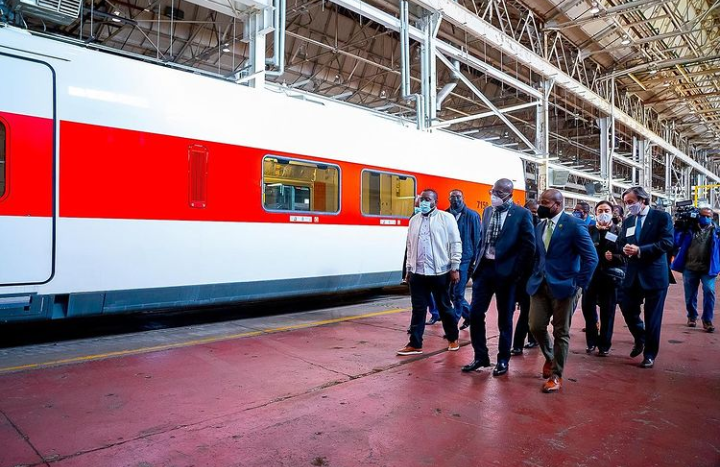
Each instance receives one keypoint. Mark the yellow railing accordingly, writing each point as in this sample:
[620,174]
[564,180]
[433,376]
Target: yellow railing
[696,191]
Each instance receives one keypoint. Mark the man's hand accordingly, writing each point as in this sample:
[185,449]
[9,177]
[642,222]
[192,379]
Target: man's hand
[454,277]
[608,255]
[631,250]
[407,277]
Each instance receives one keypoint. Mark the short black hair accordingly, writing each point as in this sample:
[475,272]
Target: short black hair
[619,208]
[431,191]
[639,193]
[604,202]
[585,206]
[530,203]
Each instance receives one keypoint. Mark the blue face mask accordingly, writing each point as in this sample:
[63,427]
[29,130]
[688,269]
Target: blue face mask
[704,221]
[425,207]
[416,210]
[577,214]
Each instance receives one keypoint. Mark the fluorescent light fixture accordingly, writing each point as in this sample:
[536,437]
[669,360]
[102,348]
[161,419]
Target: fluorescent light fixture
[117,13]
[225,49]
[490,138]
[595,8]
[343,95]
[626,40]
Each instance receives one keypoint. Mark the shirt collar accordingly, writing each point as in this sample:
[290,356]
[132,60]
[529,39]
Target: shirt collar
[556,218]
[645,211]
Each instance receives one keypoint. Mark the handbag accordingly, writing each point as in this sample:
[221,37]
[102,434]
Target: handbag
[616,274]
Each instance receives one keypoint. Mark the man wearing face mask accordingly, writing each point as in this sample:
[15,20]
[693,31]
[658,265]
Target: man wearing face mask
[582,212]
[504,253]
[434,252]
[646,239]
[564,263]
[698,258]
[617,215]
[468,222]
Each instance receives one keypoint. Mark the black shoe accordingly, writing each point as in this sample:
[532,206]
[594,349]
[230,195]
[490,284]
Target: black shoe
[500,369]
[590,349]
[432,321]
[637,350]
[465,324]
[603,353]
[531,345]
[515,352]
[647,363]
[475,364]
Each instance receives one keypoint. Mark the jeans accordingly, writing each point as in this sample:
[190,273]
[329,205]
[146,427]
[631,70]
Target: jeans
[421,288]
[691,280]
[462,307]
[433,309]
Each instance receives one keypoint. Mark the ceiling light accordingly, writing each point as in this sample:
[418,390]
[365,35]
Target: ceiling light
[653,71]
[226,50]
[666,84]
[117,13]
[626,40]
[595,9]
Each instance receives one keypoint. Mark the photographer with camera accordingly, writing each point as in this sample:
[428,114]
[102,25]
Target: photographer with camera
[697,241]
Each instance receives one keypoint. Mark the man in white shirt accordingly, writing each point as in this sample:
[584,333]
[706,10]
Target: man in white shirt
[434,252]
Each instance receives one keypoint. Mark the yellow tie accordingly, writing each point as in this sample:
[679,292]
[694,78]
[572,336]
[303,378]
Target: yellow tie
[548,234]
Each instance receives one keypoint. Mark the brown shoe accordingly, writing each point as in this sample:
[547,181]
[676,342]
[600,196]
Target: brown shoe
[547,369]
[691,323]
[454,346]
[407,350]
[553,384]
[708,326]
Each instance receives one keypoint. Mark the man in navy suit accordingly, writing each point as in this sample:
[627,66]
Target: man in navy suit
[565,260]
[505,251]
[647,239]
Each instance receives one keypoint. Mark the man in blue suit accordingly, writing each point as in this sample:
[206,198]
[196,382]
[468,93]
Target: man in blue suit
[647,239]
[505,251]
[565,260]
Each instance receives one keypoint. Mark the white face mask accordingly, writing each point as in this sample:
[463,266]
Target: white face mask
[604,218]
[496,201]
[635,208]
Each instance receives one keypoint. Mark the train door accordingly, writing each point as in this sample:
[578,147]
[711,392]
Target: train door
[27,146]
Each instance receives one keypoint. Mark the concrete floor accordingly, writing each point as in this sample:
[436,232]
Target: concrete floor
[336,395]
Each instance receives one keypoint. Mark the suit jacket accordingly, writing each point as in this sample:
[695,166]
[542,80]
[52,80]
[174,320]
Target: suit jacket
[569,261]
[515,245]
[656,243]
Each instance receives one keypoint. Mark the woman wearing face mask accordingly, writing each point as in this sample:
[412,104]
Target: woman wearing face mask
[604,285]
[618,214]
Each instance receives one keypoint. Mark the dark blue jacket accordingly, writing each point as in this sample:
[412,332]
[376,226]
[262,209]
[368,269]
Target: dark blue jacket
[656,243]
[515,245]
[469,226]
[683,241]
[569,261]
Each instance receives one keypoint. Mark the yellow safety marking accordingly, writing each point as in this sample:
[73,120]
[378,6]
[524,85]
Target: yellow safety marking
[207,340]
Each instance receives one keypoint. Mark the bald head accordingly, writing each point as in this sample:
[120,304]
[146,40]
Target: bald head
[551,203]
[504,185]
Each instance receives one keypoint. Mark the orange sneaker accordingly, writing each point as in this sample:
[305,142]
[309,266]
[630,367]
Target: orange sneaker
[454,346]
[407,350]
[547,369]
[553,384]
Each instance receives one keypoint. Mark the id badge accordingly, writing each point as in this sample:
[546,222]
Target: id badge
[630,231]
[611,237]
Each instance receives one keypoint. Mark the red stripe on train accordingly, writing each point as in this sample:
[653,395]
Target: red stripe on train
[28,167]
[124,174]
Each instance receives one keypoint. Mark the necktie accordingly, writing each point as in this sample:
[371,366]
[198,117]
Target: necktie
[638,227]
[548,234]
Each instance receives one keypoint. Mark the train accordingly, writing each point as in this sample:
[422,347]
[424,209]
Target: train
[128,186]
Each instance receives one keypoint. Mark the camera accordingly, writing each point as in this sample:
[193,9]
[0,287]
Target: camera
[686,216]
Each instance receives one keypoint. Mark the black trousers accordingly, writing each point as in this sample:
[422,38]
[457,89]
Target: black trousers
[522,328]
[647,333]
[602,293]
[486,283]
[421,287]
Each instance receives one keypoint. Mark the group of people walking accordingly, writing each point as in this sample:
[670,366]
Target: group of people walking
[548,261]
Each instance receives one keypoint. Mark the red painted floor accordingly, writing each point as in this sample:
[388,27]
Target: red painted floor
[337,395]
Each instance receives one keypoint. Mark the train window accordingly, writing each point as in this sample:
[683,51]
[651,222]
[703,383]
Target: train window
[387,194]
[295,185]
[197,176]
[2,159]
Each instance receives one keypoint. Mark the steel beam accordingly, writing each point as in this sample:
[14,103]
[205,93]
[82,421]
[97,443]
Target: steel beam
[477,27]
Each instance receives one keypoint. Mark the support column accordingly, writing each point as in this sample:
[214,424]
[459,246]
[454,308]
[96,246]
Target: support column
[254,35]
[542,136]
[645,153]
[430,26]
[606,145]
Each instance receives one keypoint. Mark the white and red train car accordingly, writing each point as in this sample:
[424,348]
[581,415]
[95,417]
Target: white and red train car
[129,186]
